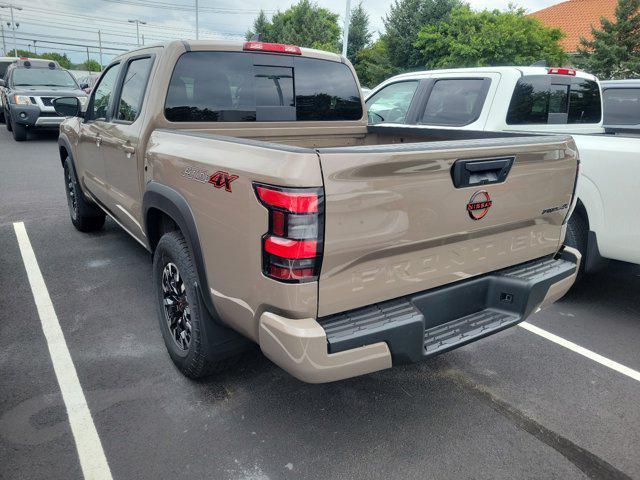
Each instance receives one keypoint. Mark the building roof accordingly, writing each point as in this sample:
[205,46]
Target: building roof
[575,18]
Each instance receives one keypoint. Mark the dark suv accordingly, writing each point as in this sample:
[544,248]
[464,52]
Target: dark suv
[29,90]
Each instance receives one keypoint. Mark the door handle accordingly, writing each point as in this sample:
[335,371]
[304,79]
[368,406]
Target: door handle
[468,173]
[98,141]
[129,150]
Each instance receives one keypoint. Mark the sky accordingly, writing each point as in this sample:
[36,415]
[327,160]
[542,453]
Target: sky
[71,26]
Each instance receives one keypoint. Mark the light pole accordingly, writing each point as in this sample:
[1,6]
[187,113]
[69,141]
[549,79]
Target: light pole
[345,31]
[197,29]
[138,23]
[13,25]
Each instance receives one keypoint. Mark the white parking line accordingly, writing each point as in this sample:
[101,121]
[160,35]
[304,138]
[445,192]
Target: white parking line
[92,458]
[618,367]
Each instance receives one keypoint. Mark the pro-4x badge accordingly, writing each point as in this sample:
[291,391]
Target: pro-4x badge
[220,179]
[479,204]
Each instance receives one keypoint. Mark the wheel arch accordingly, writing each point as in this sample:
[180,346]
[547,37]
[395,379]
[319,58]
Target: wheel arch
[160,204]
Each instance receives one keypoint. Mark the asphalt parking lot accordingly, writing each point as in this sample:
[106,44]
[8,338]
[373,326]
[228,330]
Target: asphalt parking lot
[515,405]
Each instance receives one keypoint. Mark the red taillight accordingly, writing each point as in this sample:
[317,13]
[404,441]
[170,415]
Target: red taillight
[272,47]
[295,202]
[24,58]
[562,71]
[292,248]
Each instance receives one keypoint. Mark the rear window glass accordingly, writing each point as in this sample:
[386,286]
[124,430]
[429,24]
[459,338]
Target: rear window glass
[621,106]
[542,99]
[455,102]
[248,87]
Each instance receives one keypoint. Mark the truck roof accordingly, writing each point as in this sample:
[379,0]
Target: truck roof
[505,69]
[234,46]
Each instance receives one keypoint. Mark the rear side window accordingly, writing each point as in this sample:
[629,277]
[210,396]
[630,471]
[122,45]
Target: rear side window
[249,87]
[133,88]
[621,106]
[547,99]
[455,102]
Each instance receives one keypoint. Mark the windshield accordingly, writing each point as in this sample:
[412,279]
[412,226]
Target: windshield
[46,77]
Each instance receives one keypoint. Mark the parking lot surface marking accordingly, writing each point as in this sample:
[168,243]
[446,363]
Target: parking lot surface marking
[629,372]
[92,458]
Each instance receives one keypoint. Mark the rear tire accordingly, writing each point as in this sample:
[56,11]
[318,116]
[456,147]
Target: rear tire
[19,132]
[577,237]
[2,117]
[84,216]
[196,344]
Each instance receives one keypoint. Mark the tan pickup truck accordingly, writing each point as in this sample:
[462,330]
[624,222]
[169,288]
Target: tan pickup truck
[277,216]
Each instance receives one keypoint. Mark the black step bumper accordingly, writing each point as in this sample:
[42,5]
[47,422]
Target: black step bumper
[427,323]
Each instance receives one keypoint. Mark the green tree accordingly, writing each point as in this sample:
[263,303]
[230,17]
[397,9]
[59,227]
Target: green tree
[373,64]
[474,39]
[359,33]
[261,26]
[304,24]
[404,21]
[614,51]
[63,60]
[90,65]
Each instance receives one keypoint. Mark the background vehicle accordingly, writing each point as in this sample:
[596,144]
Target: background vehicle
[534,99]
[4,64]
[273,209]
[30,86]
[621,100]
[88,81]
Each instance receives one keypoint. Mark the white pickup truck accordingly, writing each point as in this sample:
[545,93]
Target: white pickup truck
[605,222]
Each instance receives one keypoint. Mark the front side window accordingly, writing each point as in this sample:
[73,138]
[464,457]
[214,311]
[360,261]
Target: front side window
[133,88]
[391,104]
[455,102]
[103,93]
[621,106]
[43,77]
[249,87]
[544,99]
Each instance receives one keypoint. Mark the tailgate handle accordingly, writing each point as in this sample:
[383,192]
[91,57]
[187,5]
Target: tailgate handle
[469,173]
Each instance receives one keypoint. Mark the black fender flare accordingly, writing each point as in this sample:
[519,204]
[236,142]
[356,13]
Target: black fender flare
[167,200]
[173,204]
[63,141]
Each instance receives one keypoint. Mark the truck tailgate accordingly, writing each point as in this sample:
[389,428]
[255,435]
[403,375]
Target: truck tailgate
[396,224]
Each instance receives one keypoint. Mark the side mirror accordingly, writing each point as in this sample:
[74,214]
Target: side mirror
[84,86]
[67,106]
[1,82]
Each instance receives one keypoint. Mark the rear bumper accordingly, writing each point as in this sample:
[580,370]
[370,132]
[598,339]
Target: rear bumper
[416,326]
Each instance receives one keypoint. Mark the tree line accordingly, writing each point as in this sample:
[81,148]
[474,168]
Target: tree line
[430,34]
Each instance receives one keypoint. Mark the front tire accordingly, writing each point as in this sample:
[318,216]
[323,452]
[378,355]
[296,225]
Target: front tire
[84,216]
[19,132]
[7,120]
[196,345]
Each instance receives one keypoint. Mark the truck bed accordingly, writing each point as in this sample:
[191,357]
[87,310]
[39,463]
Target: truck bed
[394,223]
